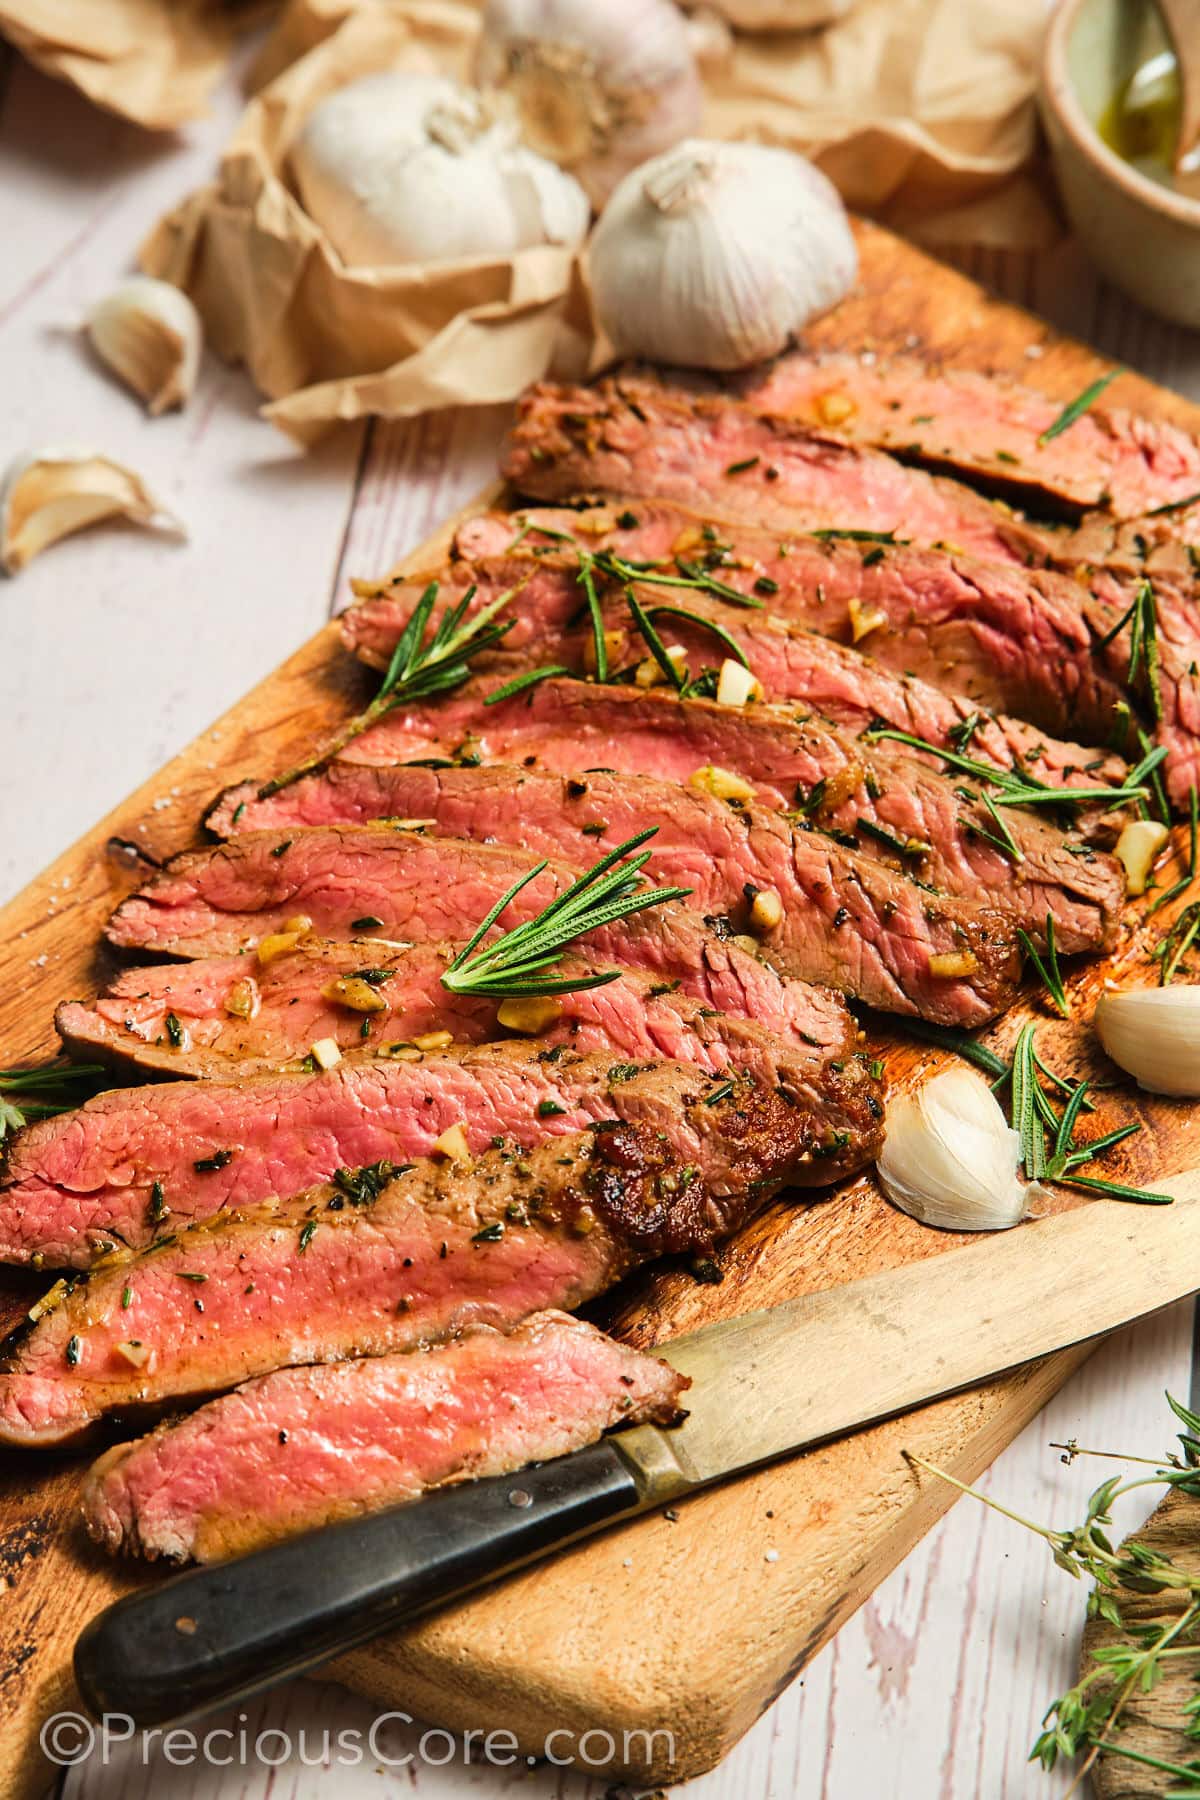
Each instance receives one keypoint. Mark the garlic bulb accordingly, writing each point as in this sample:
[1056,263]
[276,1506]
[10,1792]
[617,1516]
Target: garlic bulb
[400,168]
[715,254]
[1154,1035]
[149,334]
[950,1157]
[598,85]
[47,494]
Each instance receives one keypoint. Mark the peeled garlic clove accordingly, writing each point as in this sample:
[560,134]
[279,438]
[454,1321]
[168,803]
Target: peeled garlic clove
[400,167]
[950,1158]
[149,334]
[48,494]
[598,85]
[1136,848]
[715,255]
[1154,1035]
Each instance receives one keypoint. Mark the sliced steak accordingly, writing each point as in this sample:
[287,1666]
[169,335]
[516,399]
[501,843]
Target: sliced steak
[136,1163]
[319,992]
[363,1268]
[721,459]
[303,1447]
[847,921]
[851,689]
[879,798]
[983,427]
[433,890]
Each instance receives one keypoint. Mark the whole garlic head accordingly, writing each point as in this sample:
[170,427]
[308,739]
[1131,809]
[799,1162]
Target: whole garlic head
[598,85]
[714,255]
[950,1158]
[401,167]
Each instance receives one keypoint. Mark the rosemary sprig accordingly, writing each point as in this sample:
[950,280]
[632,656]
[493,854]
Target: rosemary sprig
[729,644]
[418,669]
[529,679]
[691,575]
[1003,838]
[1174,945]
[960,1043]
[653,642]
[1048,971]
[41,1093]
[587,580]
[1018,790]
[1173,506]
[1026,1114]
[513,964]
[1078,406]
[1032,1114]
[858,537]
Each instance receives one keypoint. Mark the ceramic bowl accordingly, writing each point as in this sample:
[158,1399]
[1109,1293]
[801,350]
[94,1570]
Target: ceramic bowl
[1143,237]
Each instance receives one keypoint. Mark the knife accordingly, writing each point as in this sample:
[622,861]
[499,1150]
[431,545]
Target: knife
[764,1385]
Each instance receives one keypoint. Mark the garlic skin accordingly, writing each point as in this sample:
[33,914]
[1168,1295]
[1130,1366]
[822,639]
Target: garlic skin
[149,334]
[48,494]
[597,85]
[402,168]
[950,1158]
[1154,1035]
[715,255]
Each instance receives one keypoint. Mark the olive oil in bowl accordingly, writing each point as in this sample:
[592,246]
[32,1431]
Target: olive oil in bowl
[1141,124]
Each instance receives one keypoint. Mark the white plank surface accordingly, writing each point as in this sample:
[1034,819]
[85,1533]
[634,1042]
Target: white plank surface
[936,1686]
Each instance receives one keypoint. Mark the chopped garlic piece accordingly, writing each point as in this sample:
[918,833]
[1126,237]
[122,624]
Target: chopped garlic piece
[722,784]
[354,992]
[135,1353]
[953,963]
[325,1053]
[766,910]
[736,685]
[531,1014]
[1136,848]
[835,409]
[862,622]
[434,1040]
[453,1145]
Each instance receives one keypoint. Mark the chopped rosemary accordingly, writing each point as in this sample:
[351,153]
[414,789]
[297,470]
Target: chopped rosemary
[586,578]
[729,644]
[858,537]
[691,575]
[722,1091]
[1078,406]
[513,964]
[1156,512]
[418,669]
[960,1043]
[306,1234]
[654,643]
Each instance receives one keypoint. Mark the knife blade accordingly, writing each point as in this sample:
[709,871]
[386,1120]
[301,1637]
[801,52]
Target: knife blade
[764,1385]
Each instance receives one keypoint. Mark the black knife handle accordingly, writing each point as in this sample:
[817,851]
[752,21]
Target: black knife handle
[217,1634]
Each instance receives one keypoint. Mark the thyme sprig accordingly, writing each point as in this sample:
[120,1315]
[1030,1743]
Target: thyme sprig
[28,1094]
[419,667]
[1084,1721]
[514,964]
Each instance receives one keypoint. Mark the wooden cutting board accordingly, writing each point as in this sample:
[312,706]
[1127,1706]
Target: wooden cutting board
[675,1626]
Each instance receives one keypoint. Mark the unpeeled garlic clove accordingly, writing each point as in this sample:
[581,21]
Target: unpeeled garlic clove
[149,334]
[950,1158]
[48,494]
[1153,1033]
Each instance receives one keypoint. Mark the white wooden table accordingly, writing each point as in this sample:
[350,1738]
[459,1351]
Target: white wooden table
[115,649]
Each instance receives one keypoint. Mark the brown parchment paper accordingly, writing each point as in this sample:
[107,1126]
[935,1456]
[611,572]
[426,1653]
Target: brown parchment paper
[922,111]
[152,61]
[325,341]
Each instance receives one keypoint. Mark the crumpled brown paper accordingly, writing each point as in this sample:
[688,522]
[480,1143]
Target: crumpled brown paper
[152,61]
[922,111]
[325,341]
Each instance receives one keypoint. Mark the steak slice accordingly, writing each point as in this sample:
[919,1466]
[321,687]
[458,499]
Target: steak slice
[632,437]
[982,427]
[794,665]
[638,1015]
[1004,636]
[435,889]
[137,1162]
[362,1268]
[305,1446]
[880,798]
[847,921]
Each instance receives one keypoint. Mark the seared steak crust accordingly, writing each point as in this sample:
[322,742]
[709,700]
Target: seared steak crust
[302,1447]
[348,1269]
[848,922]
[137,1163]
